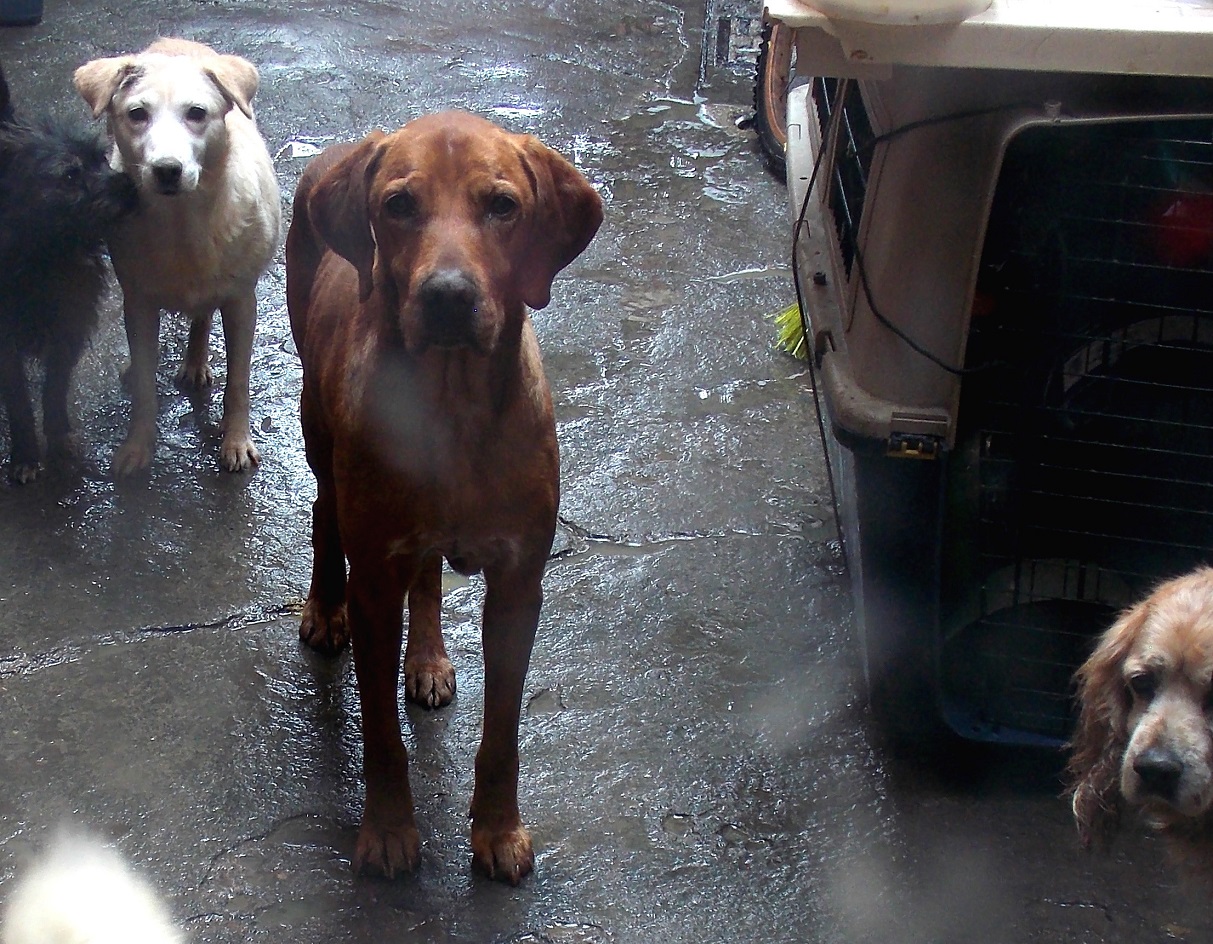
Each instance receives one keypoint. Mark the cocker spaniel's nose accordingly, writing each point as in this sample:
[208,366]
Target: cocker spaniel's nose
[1159,770]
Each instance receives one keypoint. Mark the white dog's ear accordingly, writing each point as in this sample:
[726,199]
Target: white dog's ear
[338,209]
[237,81]
[99,80]
[567,214]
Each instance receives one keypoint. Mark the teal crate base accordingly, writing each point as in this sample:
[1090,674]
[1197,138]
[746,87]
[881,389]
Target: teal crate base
[20,12]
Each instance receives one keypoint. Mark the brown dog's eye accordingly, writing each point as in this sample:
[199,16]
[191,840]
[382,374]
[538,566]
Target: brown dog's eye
[1143,685]
[401,205]
[138,115]
[502,206]
[196,113]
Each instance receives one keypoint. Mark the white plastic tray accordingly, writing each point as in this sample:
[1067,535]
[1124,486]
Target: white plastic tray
[1139,37]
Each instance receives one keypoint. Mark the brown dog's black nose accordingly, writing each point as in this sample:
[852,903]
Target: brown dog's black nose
[448,300]
[1159,771]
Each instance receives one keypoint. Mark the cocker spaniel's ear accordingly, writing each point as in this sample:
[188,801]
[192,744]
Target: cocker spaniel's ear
[1098,747]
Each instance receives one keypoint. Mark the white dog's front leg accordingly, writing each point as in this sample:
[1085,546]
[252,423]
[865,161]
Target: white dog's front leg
[143,338]
[195,372]
[237,452]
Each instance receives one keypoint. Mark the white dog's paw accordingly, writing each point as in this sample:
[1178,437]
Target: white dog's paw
[237,453]
[195,377]
[133,456]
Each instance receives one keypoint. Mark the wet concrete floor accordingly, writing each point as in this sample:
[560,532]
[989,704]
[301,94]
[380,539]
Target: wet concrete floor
[697,762]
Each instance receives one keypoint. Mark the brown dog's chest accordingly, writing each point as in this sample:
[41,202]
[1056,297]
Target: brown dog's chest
[467,552]
[423,475]
[472,522]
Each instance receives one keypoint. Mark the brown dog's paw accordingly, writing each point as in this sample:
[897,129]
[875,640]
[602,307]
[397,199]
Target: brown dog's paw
[431,683]
[503,854]
[324,629]
[386,852]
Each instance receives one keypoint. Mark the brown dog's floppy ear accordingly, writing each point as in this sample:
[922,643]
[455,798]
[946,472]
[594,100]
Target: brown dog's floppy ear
[338,209]
[1101,736]
[97,81]
[568,212]
[237,81]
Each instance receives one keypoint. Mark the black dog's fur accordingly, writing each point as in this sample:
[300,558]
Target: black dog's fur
[58,200]
[6,105]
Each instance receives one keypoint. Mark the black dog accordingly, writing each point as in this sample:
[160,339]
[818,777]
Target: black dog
[58,199]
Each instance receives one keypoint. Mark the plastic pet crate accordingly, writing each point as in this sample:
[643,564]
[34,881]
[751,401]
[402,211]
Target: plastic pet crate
[1007,266]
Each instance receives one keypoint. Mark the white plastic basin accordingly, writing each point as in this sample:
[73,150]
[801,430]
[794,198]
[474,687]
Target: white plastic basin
[900,11]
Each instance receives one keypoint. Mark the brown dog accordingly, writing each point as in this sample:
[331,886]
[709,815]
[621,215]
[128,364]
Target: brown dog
[411,259]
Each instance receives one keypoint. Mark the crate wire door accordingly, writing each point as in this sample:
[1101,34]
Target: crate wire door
[1083,472]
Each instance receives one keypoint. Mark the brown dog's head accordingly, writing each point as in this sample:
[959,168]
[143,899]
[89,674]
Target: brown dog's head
[1145,731]
[457,223]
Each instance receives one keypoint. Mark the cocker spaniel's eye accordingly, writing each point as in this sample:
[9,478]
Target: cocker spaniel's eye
[1143,685]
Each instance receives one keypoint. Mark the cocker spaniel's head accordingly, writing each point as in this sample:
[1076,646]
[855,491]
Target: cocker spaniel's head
[1145,731]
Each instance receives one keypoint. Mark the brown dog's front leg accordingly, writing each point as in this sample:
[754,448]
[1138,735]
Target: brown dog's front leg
[429,677]
[501,845]
[387,840]
[324,626]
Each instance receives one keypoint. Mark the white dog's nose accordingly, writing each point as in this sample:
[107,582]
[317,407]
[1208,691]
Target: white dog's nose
[168,175]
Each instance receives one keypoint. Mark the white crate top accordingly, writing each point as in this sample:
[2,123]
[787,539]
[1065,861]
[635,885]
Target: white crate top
[1139,37]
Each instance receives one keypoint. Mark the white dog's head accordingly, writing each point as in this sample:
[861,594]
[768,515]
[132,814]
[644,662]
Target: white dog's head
[167,110]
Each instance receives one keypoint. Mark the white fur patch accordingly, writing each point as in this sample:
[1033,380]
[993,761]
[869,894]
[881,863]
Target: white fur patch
[80,892]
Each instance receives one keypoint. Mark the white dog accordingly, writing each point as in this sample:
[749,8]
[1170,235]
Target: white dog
[80,892]
[181,118]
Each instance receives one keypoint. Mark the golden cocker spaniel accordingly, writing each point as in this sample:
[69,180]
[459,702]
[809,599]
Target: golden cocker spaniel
[1145,732]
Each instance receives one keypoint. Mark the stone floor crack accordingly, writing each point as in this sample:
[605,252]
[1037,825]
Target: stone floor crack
[25,664]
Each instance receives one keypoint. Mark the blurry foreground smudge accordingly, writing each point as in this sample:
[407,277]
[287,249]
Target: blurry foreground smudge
[698,765]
